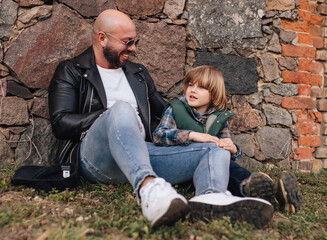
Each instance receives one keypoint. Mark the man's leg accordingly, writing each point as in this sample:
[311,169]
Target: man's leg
[114,151]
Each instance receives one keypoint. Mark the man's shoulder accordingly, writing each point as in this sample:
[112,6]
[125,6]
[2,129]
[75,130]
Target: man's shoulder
[134,66]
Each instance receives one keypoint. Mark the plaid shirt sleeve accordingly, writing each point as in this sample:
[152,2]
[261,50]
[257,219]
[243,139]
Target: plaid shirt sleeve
[167,132]
[225,133]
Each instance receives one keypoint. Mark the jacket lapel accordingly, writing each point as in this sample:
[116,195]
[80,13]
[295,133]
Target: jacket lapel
[139,89]
[86,61]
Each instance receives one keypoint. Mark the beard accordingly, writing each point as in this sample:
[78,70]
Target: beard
[112,57]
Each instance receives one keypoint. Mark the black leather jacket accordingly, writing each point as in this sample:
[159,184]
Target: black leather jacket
[77,97]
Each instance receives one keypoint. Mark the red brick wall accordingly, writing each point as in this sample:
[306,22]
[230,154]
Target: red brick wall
[310,150]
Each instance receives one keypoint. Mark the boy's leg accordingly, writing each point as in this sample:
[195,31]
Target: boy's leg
[205,163]
[237,175]
[201,162]
[244,184]
[114,151]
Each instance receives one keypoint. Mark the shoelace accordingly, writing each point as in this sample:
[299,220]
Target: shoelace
[155,188]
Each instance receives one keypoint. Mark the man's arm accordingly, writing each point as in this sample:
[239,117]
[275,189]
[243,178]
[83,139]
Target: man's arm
[157,104]
[64,93]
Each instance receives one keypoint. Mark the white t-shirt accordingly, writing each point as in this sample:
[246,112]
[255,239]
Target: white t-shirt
[117,88]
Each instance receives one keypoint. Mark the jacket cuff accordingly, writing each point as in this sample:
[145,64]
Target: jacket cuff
[238,154]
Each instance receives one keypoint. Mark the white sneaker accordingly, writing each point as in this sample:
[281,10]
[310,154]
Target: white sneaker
[212,206]
[161,204]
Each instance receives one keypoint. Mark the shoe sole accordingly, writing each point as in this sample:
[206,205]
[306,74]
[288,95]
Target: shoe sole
[288,193]
[177,209]
[252,212]
[260,185]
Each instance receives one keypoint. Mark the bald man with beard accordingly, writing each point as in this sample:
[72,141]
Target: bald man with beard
[101,108]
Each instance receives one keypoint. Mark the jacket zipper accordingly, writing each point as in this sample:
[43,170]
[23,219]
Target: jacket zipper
[64,149]
[149,119]
[91,98]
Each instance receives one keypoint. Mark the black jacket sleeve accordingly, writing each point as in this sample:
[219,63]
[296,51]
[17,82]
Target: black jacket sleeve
[67,120]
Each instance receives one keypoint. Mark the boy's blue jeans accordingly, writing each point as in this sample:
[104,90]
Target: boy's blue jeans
[114,151]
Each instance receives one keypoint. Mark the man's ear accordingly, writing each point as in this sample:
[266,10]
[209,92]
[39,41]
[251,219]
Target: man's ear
[102,39]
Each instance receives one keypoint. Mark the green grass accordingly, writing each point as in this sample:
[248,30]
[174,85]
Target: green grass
[111,212]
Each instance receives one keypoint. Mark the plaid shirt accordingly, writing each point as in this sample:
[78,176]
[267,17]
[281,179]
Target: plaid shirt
[167,133]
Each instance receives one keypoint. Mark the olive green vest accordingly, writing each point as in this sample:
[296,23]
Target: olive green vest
[185,119]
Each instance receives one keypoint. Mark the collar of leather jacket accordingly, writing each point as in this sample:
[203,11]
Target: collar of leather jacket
[135,74]
[86,63]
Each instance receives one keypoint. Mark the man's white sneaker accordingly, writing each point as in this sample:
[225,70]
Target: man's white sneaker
[161,204]
[212,206]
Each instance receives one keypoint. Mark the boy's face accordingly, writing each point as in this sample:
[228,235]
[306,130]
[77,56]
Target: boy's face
[198,97]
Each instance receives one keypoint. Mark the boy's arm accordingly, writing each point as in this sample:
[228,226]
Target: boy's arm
[167,133]
[226,133]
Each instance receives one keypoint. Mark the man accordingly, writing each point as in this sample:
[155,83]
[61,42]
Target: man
[101,107]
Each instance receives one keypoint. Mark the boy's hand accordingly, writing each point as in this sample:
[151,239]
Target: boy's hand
[202,137]
[227,144]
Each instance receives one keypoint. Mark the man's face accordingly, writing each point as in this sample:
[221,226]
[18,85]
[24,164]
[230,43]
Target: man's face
[113,57]
[118,49]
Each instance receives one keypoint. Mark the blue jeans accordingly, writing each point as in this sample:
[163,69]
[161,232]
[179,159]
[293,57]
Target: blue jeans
[113,151]
[236,175]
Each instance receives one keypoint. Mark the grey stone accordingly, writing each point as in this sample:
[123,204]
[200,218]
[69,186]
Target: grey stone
[165,63]
[13,88]
[37,145]
[3,87]
[267,30]
[254,98]
[8,14]
[275,142]
[30,3]
[287,62]
[246,142]
[277,24]
[267,21]
[38,50]
[279,5]
[174,8]
[240,73]
[266,92]
[1,51]
[321,152]
[174,91]
[286,89]
[286,15]
[270,67]
[275,99]
[246,118]
[226,23]
[249,163]
[141,7]
[90,8]
[6,154]
[287,36]
[259,155]
[40,107]
[4,71]
[34,13]
[13,111]
[284,164]
[277,115]
[270,14]
[274,45]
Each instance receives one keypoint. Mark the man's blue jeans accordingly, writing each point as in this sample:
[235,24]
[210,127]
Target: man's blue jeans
[114,151]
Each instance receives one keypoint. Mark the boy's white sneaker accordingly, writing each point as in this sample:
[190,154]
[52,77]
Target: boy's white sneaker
[161,204]
[212,206]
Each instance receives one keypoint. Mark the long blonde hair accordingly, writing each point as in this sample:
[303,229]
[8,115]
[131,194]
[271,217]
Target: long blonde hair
[211,79]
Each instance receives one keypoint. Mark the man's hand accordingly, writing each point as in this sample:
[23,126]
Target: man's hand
[202,137]
[227,144]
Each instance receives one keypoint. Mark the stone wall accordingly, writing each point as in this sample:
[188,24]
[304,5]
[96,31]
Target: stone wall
[273,55]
